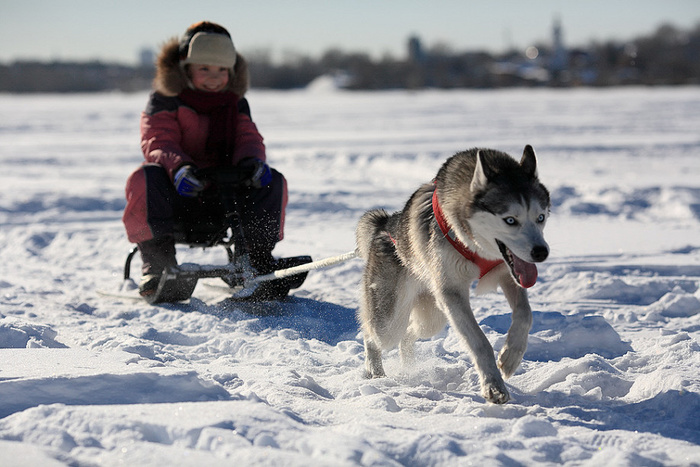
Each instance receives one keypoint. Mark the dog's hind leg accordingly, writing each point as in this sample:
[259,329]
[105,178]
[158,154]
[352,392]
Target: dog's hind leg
[425,321]
[516,340]
[368,316]
[406,349]
[385,320]
[382,325]
[373,360]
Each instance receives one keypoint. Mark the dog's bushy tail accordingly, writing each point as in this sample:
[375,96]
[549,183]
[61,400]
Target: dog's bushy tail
[370,224]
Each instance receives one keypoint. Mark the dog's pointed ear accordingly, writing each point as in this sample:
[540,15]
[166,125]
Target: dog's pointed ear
[481,173]
[529,161]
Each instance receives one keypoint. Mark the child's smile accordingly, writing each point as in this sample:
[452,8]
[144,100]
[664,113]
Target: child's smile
[209,78]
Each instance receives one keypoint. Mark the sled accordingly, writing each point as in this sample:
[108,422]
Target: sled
[177,283]
[180,286]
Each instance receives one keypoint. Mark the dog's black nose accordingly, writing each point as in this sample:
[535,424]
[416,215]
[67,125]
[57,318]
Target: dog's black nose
[539,253]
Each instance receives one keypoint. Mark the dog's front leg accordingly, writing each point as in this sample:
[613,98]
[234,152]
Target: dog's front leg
[516,340]
[460,314]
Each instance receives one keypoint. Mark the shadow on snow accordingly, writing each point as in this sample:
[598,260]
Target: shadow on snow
[311,319]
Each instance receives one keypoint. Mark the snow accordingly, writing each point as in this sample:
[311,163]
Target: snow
[611,375]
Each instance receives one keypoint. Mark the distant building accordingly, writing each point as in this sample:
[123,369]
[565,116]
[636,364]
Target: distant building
[559,61]
[415,50]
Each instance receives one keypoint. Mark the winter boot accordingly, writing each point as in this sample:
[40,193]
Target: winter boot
[264,263]
[156,255]
[276,289]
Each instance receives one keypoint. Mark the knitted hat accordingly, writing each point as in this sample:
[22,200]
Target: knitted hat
[207,48]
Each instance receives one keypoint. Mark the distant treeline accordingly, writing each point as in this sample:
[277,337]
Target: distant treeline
[28,77]
[669,56]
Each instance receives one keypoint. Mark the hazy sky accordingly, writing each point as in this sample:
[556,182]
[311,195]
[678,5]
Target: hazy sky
[117,30]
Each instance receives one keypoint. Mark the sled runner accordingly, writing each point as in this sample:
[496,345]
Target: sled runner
[177,283]
[129,289]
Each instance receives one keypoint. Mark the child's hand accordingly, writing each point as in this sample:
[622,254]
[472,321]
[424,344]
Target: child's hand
[261,175]
[186,183]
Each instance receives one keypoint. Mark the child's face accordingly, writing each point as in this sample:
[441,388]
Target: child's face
[209,78]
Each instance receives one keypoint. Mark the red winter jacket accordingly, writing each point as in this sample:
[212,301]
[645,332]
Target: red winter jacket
[173,134]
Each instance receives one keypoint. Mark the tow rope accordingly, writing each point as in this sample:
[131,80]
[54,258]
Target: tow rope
[322,263]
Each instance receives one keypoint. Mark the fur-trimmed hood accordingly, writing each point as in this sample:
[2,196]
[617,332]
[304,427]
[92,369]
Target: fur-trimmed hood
[170,79]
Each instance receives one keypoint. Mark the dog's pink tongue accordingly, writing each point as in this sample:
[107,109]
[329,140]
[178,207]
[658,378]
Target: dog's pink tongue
[526,272]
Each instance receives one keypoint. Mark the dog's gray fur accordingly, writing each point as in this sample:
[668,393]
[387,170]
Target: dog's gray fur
[415,281]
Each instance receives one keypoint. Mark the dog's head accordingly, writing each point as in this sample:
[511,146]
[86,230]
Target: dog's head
[505,211]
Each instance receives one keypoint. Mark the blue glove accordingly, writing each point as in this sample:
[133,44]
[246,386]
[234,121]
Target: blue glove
[186,183]
[261,175]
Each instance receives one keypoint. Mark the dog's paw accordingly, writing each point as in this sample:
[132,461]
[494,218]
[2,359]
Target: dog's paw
[495,391]
[374,371]
[496,395]
[509,359]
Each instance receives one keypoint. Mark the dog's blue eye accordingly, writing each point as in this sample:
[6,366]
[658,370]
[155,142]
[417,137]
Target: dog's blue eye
[540,218]
[510,221]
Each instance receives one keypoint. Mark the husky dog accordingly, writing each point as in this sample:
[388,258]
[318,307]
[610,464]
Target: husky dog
[481,218]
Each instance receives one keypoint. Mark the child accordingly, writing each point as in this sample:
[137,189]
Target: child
[198,117]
